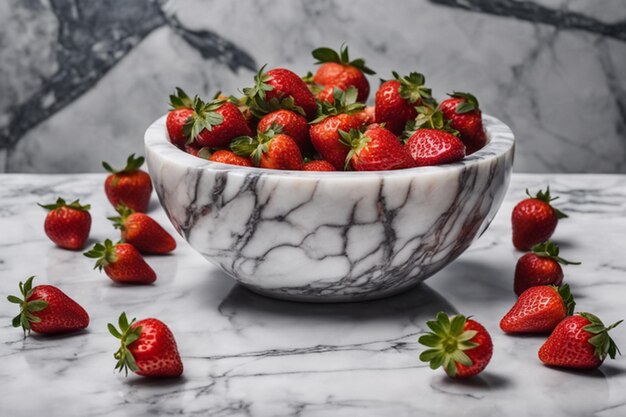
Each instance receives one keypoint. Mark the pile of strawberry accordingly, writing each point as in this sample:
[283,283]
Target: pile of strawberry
[463,347]
[321,123]
[147,346]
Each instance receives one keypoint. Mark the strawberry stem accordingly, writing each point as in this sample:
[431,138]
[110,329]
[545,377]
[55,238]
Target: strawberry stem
[27,308]
[549,249]
[603,343]
[104,253]
[132,165]
[127,335]
[61,203]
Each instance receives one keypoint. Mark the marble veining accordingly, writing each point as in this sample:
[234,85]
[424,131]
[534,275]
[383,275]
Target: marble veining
[330,237]
[248,355]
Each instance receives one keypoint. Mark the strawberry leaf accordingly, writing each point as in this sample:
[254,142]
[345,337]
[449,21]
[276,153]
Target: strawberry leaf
[132,165]
[127,335]
[27,308]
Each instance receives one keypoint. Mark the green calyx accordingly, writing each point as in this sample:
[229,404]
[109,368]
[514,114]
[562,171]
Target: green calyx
[550,250]
[255,147]
[324,55]
[447,343]
[119,221]
[204,116]
[27,308]
[343,102]
[412,88]
[428,117]
[310,82]
[104,253]
[127,335]
[61,203]
[567,297]
[356,140]
[547,198]
[132,165]
[180,100]
[601,340]
[469,103]
[256,98]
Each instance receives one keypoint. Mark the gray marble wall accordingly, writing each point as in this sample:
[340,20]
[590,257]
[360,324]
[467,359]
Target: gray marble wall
[81,80]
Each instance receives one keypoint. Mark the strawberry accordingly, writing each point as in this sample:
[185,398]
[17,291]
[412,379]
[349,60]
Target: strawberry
[48,310]
[129,185]
[434,147]
[142,231]
[534,220]
[215,124]
[337,71]
[181,110]
[68,225]
[460,345]
[540,267]
[318,165]
[342,114]
[539,309]
[464,114]
[148,348]
[396,100]
[579,341]
[292,124]
[377,149]
[228,157]
[280,88]
[270,149]
[121,262]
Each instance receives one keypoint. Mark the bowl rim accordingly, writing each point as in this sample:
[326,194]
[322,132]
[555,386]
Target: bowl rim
[500,142]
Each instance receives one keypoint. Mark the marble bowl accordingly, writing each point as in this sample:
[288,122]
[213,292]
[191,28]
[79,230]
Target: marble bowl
[330,236]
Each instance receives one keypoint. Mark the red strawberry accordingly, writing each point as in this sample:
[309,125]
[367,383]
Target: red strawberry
[292,124]
[375,150]
[181,110]
[130,185]
[229,157]
[579,341]
[142,231]
[68,225]
[343,114]
[121,262]
[148,348]
[396,100]
[270,149]
[434,147]
[280,88]
[46,309]
[318,165]
[540,267]
[539,309]
[465,116]
[460,345]
[215,124]
[534,220]
[337,71]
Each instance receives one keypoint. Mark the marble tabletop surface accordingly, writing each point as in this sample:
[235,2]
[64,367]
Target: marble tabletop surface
[246,355]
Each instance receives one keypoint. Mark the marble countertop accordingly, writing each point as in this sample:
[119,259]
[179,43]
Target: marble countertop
[246,355]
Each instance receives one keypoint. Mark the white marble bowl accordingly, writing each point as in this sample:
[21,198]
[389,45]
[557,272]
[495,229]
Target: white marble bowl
[330,236]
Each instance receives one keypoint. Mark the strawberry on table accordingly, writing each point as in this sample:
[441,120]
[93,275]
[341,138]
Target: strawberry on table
[181,110]
[68,224]
[280,88]
[534,219]
[292,124]
[148,348]
[129,185]
[396,100]
[376,149]
[580,341]
[539,309]
[229,157]
[338,71]
[270,149]
[46,309]
[541,266]
[460,345]
[142,231]
[318,165]
[121,262]
[342,114]
[464,113]
[215,124]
